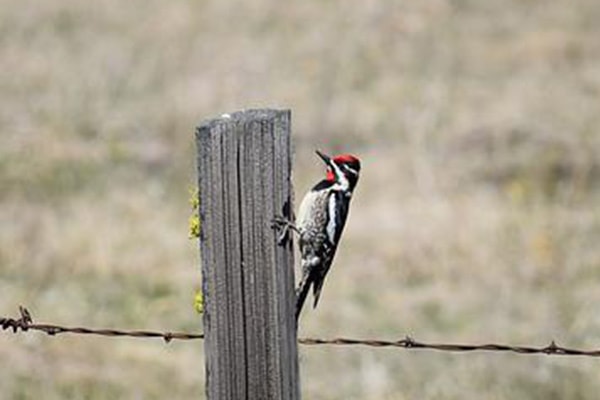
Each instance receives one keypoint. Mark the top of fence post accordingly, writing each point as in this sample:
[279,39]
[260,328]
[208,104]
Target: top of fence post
[244,171]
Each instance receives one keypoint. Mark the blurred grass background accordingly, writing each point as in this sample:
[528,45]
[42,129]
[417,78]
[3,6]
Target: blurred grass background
[477,217]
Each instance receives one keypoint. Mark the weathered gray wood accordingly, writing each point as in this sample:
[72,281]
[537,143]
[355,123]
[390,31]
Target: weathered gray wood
[244,176]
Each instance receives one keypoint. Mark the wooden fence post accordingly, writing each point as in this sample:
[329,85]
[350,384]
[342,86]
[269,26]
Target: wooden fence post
[244,170]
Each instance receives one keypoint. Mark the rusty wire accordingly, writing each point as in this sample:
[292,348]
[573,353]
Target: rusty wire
[410,343]
[25,323]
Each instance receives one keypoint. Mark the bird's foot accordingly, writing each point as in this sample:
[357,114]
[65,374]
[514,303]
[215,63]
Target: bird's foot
[283,225]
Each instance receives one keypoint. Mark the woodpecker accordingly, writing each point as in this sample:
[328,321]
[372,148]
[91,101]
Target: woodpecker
[320,222]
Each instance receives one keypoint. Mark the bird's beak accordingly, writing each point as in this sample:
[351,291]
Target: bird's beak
[326,159]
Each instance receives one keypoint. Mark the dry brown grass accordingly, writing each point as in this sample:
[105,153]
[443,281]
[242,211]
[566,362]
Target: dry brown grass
[477,216]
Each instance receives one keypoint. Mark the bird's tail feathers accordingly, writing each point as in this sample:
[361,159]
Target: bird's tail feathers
[317,286]
[301,293]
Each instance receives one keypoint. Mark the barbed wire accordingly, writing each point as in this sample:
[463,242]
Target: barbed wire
[25,323]
[410,343]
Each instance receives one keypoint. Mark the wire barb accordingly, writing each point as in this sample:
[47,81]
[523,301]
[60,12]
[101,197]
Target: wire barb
[25,323]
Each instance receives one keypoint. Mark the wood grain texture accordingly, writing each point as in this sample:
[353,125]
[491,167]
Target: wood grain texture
[244,177]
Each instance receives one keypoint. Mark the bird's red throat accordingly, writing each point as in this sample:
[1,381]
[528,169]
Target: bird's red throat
[330,176]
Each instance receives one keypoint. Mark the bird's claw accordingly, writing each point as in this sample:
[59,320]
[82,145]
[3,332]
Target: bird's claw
[283,225]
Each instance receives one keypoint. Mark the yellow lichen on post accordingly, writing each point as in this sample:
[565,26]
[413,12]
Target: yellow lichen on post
[194,233]
[194,220]
[199,301]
